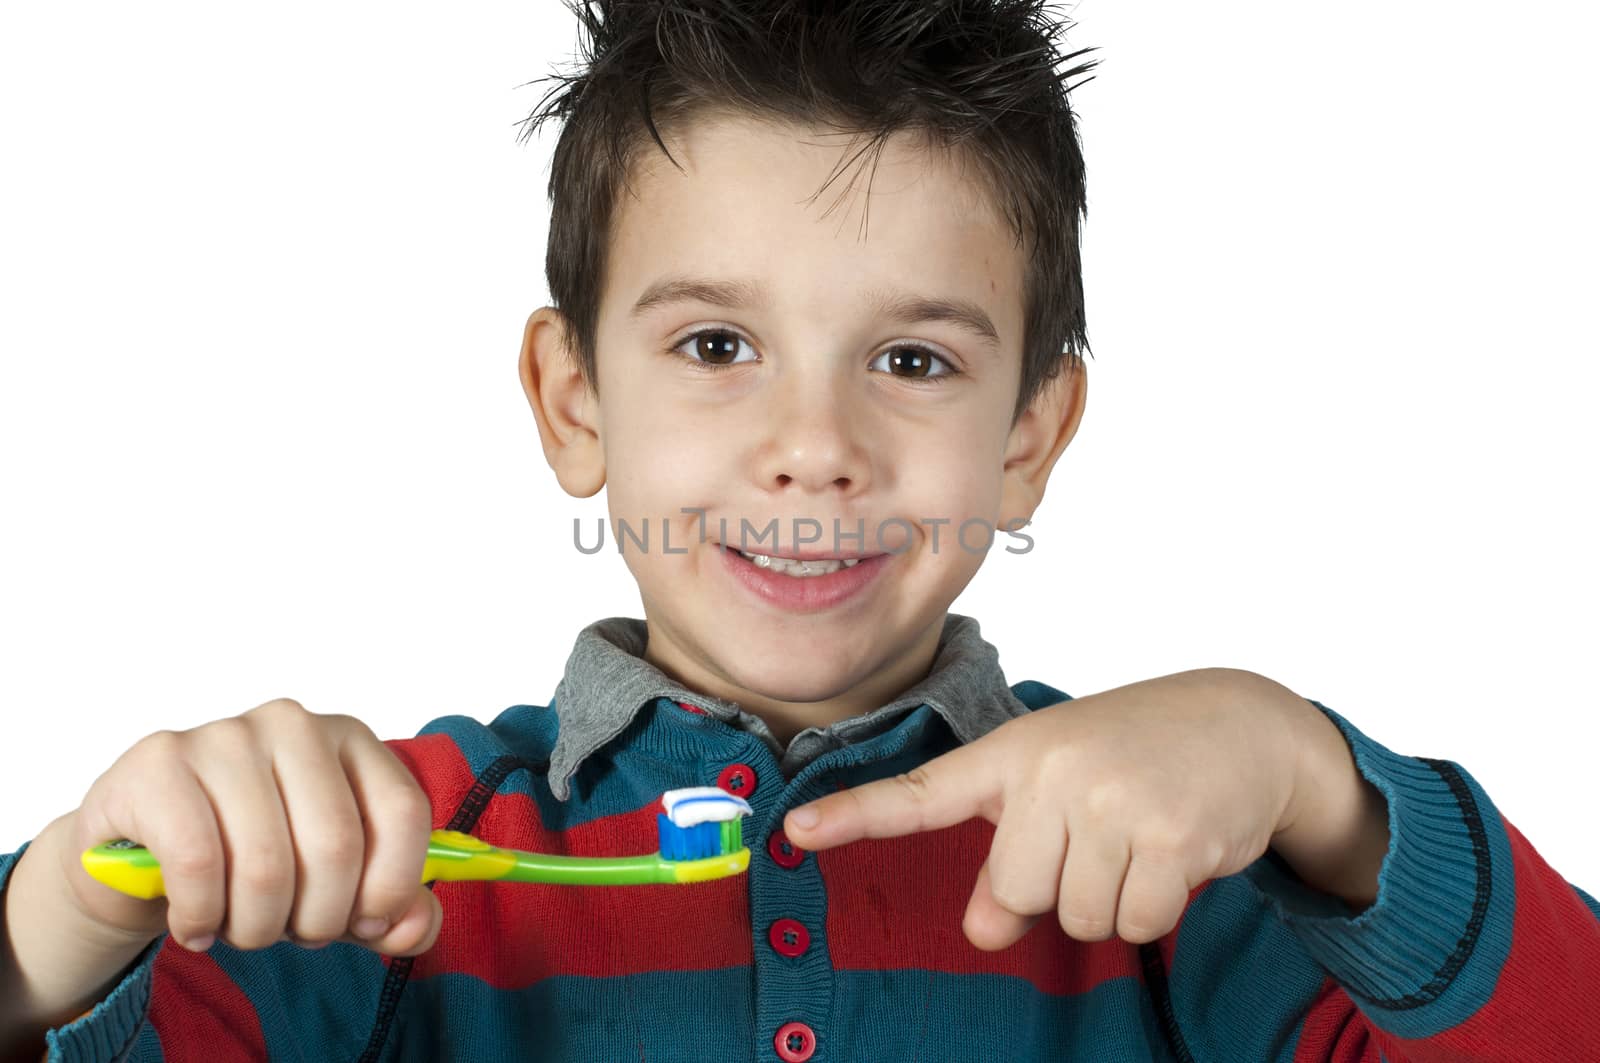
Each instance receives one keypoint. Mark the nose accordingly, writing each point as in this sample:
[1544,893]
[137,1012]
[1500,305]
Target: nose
[813,441]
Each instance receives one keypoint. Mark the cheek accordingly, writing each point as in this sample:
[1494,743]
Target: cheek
[655,467]
[956,474]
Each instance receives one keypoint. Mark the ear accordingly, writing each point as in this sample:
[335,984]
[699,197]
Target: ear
[1037,440]
[567,411]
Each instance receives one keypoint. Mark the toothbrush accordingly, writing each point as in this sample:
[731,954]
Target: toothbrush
[699,828]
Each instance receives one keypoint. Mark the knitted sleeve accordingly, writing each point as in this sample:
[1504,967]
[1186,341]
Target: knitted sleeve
[337,1002]
[1476,950]
[225,1004]
[109,1030]
[230,1004]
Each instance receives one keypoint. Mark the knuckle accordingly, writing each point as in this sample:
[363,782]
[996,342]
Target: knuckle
[1166,841]
[1055,761]
[1085,927]
[917,785]
[283,712]
[314,927]
[915,782]
[252,939]
[195,861]
[194,916]
[1141,926]
[1105,798]
[160,739]
[1015,896]
[231,735]
[349,724]
[1163,853]
[336,845]
[163,745]
[189,923]
[263,871]
[384,894]
[1009,899]
[410,805]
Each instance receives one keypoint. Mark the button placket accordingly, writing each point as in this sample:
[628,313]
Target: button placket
[788,908]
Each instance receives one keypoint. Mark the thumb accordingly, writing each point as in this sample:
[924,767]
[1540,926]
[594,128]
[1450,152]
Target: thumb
[944,791]
[414,932]
[987,924]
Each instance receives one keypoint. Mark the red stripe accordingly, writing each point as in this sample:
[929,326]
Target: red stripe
[511,935]
[1545,991]
[898,903]
[197,1010]
[1335,1031]
[440,768]
[514,934]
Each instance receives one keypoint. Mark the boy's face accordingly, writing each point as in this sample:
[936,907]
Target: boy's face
[825,415]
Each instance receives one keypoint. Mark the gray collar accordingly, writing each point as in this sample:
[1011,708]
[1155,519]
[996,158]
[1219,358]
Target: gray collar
[607,682]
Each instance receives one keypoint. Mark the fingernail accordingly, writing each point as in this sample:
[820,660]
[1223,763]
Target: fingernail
[200,944]
[806,817]
[370,927]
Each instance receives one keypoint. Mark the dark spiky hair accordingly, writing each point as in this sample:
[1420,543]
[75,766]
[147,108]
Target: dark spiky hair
[972,77]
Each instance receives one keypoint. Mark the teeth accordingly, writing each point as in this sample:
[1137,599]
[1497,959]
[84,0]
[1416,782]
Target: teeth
[802,569]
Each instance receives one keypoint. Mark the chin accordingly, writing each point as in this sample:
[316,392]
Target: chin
[795,679]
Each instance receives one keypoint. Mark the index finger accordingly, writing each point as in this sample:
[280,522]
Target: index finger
[945,791]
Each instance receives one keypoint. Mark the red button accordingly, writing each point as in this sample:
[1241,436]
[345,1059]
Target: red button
[788,937]
[738,779]
[795,1042]
[697,710]
[784,852]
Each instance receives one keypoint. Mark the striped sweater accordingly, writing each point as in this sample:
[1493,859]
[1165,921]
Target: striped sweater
[1475,949]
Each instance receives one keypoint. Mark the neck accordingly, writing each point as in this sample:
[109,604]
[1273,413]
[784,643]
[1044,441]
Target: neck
[785,719]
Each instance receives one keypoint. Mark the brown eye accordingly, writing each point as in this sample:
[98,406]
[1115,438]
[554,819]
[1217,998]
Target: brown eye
[714,348]
[718,348]
[916,363]
[908,361]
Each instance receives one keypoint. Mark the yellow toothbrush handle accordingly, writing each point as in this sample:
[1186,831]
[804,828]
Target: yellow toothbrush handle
[452,856]
[126,867]
[457,857]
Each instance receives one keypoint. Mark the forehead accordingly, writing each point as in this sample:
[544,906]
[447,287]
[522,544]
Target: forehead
[750,203]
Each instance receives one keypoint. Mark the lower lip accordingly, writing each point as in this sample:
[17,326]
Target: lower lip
[803,594]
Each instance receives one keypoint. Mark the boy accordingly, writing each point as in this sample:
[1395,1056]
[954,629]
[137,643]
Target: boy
[1200,866]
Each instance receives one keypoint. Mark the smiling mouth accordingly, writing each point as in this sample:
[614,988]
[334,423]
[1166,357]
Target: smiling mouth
[796,566]
[803,569]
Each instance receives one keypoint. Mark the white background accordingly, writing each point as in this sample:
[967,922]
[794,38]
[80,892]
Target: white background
[264,274]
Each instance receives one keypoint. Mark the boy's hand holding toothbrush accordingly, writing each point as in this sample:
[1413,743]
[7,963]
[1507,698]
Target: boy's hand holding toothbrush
[1109,809]
[278,823]
[275,824]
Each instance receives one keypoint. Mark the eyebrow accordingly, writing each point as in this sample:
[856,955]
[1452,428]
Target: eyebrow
[903,308]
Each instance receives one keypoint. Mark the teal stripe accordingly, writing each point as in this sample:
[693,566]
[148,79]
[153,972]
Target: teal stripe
[1240,981]
[311,1003]
[664,1016]
[702,1017]
[147,1047]
[904,1016]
